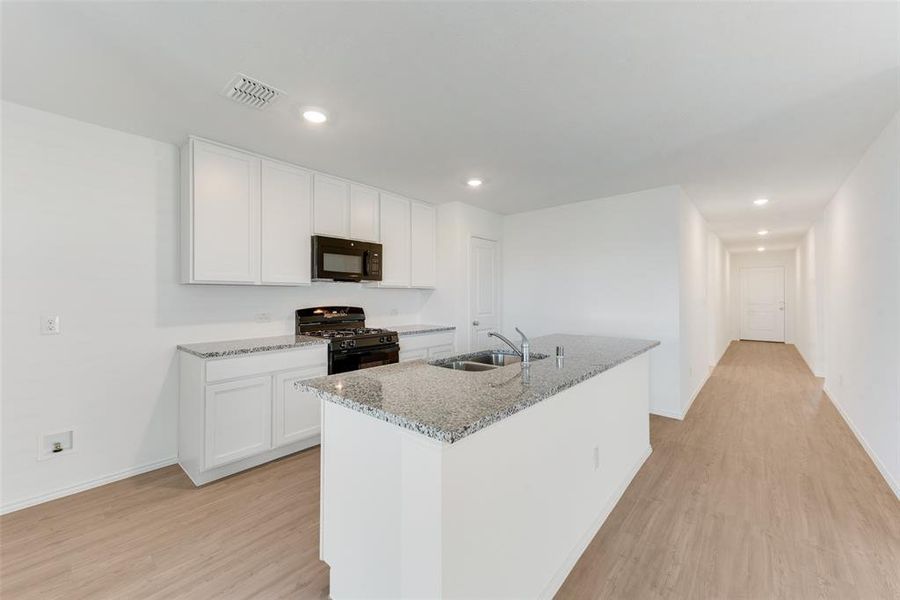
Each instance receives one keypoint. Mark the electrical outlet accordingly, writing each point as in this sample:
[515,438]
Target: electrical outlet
[55,444]
[263,317]
[596,458]
[394,312]
[50,324]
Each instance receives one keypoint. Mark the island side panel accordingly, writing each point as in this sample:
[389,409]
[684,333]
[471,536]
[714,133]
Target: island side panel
[524,497]
[381,519]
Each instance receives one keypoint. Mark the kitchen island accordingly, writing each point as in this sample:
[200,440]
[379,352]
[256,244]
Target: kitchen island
[438,482]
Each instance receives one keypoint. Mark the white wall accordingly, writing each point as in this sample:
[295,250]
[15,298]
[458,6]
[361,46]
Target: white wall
[457,224]
[90,233]
[693,307]
[604,267]
[861,299]
[782,258]
[718,282]
[809,330]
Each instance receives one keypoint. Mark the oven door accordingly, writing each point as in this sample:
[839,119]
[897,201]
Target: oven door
[342,361]
[337,259]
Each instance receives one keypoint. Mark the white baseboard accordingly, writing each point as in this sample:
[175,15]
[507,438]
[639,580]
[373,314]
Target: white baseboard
[81,487]
[806,360]
[560,577]
[892,483]
[669,414]
[695,394]
[199,478]
[681,415]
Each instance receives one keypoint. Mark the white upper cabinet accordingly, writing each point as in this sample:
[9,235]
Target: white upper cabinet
[331,198]
[247,219]
[423,270]
[222,237]
[395,239]
[365,214]
[285,217]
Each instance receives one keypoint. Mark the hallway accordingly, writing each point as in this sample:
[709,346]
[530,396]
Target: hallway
[761,492]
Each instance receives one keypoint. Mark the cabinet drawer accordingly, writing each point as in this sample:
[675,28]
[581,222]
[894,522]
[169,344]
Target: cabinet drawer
[442,351]
[266,362]
[417,354]
[426,340]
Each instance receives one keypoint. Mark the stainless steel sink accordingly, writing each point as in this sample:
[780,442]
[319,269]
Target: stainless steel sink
[465,365]
[483,361]
[498,359]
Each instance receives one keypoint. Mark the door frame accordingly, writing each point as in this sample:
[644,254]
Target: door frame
[498,280]
[741,272]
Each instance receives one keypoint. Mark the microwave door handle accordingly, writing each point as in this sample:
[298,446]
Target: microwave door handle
[365,265]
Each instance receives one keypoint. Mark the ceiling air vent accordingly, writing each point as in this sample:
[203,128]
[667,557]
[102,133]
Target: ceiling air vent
[250,92]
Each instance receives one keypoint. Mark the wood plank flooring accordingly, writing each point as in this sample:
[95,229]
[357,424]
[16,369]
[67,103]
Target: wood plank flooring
[762,492]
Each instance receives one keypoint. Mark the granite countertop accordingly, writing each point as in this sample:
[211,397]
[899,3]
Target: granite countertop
[405,330]
[249,346]
[448,405]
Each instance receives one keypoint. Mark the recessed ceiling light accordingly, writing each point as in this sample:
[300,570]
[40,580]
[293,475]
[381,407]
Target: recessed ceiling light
[761,249]
[763,232]
[761,201]
[314,115]
[474,182]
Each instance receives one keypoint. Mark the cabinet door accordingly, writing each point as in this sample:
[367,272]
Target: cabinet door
[225,215]
[415,354]
[422,245]
[364,214]
[285,217]
[442,351]
[297,414]
[395,240]
[331,206]
[238,419]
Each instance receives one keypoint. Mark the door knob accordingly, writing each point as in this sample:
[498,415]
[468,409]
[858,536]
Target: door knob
[476,323]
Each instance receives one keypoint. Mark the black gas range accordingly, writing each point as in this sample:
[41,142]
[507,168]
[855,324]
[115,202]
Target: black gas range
[351,345]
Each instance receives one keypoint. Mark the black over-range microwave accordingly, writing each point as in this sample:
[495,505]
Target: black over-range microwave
[336,259]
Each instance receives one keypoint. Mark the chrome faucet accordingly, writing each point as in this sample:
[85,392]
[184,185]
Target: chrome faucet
[524,352]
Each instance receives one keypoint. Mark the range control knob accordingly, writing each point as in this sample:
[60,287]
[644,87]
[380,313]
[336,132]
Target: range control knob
[389,338]
[352,343]
[381,340]
[343,345]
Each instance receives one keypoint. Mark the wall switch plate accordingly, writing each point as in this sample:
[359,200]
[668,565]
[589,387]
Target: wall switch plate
[50,324]
[596,458]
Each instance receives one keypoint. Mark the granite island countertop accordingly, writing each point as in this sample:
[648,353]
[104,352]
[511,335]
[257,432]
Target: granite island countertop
[447,405]
[250,345]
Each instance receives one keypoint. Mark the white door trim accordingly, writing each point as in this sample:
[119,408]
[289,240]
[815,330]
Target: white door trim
[742,310]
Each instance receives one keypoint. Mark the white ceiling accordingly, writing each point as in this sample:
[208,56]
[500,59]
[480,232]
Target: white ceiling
[549,102]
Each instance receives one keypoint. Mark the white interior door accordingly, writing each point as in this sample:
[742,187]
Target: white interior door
[484,292]
[762,304]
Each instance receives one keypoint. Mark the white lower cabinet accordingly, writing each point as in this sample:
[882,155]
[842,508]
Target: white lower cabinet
[239,412]
[430,346]
[238,415]
[297,413]
[413,354]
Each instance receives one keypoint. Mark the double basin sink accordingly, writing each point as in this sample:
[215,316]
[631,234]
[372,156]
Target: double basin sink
[484,361]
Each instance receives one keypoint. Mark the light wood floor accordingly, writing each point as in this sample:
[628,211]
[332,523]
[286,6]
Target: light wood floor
[762,492]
